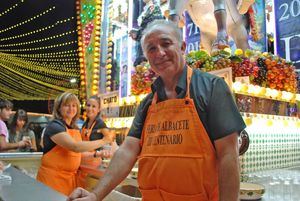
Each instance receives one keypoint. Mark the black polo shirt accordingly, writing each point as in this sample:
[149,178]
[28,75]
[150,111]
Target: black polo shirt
[54,127]
[213,101]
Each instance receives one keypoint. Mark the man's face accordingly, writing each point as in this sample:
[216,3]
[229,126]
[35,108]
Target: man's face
[163,52]
[5,114]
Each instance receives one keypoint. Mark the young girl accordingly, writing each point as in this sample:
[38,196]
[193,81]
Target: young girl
[19,131]
[5,112]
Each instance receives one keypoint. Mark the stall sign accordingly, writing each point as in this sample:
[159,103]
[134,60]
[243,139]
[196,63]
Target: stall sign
[110,104]
[287,20]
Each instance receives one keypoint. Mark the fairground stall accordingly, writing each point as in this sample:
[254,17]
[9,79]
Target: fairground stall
[263,79]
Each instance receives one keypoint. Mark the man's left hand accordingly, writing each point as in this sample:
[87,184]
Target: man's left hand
[80,194]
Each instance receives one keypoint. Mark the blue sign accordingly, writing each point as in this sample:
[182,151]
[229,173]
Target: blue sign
[287,20]
[192,34]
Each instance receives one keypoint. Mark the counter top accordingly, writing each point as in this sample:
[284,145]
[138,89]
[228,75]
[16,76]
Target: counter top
[21,155]
[25,188]
[280,184]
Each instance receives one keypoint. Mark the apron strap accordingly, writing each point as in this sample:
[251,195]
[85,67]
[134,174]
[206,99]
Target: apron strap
[90,130]
[154,100]
[188,81]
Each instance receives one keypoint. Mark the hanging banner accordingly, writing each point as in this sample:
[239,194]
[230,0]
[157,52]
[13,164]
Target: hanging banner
[287,20]
[192,34]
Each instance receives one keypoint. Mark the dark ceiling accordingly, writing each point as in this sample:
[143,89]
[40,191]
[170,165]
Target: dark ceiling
[38,49]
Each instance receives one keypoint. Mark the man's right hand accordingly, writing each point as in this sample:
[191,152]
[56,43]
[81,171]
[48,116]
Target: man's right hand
[80,194]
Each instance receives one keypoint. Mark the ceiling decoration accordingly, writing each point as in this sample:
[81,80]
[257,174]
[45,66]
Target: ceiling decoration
[38,49]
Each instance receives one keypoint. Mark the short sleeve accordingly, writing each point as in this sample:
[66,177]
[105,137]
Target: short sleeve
[54,128]
[223,115]
[139,118]
[100,124]
[31,134]
[3,129]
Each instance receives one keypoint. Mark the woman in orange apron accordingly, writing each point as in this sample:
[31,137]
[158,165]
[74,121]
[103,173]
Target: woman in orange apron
[94,128]
[62,146]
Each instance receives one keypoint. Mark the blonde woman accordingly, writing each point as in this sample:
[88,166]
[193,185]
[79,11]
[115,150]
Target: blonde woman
[63,146]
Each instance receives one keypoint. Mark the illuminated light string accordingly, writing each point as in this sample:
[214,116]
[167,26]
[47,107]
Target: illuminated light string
[109,57]
[53,79]
[32,86]
[57,23]
[71,66]
[81,52]
[39,48]
[23,64]
[26,84]
[39,40]
[95,80]
[10,9]
[11,79]
[37,56]
[53,59]
[26,89]
[28,20]
[49,53]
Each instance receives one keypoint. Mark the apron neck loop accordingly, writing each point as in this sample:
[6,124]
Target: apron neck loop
[188,81]
[154,100]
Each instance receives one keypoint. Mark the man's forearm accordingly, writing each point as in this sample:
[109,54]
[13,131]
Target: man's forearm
[120,166]
[229,179]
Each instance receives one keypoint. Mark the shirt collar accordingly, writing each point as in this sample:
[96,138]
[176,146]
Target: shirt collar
[181,85]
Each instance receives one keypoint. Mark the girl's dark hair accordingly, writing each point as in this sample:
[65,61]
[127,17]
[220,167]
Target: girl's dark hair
[5,104]
[21,115]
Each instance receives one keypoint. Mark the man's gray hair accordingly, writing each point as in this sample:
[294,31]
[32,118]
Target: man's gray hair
[161,23]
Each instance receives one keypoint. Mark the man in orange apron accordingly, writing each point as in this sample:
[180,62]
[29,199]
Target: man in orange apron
[184,133]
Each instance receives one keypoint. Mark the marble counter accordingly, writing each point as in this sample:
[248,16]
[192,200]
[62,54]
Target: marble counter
[280,184]
[25,188]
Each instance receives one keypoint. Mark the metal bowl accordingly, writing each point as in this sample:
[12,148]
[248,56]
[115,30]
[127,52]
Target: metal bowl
[251,191]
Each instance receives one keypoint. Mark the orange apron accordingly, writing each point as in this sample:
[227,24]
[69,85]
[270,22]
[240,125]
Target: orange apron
[59,167]
[87,161]
[177,161]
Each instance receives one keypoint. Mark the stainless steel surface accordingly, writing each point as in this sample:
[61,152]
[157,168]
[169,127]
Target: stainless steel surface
[23,155]
[25,188]
[25,161]
[280,184]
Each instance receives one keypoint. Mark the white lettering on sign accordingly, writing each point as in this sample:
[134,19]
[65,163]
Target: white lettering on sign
[193,46]
[287,42]
[290,10]
[193,29]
